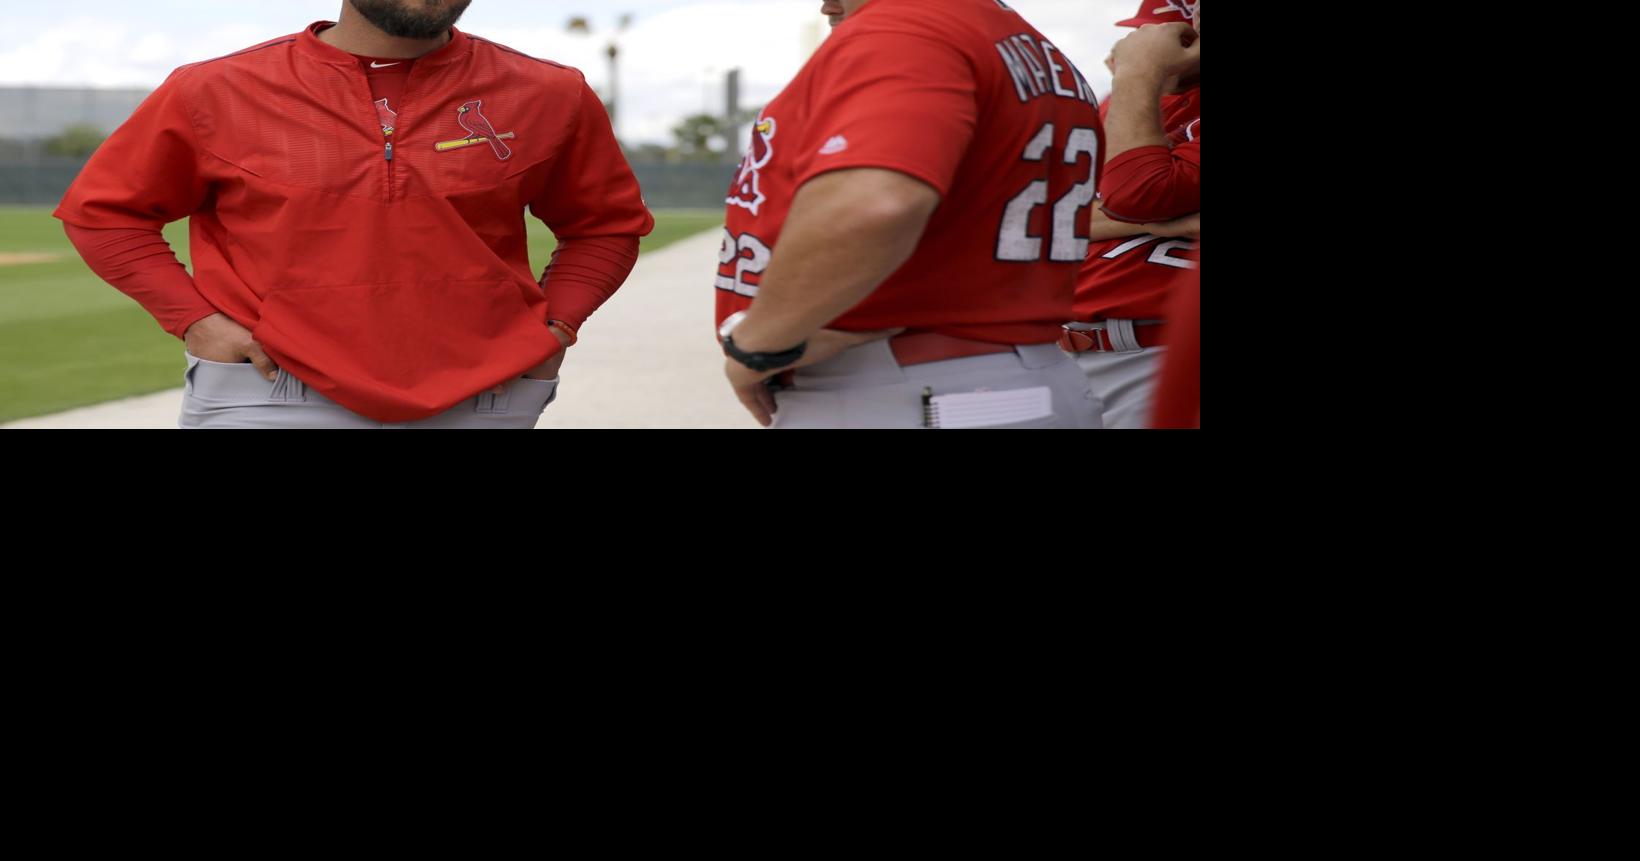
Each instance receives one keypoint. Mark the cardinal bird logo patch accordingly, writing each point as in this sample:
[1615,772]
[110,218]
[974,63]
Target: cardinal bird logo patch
[479,130]
[387,116]
[747,190]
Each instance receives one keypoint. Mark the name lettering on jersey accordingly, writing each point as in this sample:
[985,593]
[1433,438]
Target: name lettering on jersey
[747,192]
[1055,70]
[1036,72]
[1039,75]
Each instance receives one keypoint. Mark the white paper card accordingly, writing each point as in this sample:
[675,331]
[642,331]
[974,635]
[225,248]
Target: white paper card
[990,409]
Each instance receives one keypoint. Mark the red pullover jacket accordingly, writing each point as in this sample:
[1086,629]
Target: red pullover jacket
[386,269]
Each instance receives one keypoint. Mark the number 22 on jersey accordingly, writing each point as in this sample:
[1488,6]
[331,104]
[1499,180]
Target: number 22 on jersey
[1014,240]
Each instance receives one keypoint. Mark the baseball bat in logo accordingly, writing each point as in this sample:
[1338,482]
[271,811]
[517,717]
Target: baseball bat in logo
[479,130]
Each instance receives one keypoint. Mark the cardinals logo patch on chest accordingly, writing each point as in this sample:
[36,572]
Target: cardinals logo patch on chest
[479,130]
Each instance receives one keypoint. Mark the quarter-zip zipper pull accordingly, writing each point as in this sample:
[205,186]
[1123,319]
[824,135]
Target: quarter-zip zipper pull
[389,150]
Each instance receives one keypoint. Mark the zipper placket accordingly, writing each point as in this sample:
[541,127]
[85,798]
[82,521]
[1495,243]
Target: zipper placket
[389,155]
[389,151]
[398,125]
[388,138]
[376,123]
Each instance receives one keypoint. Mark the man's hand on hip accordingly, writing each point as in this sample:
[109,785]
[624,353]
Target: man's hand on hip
[825,344]
[218,338]
[547,370]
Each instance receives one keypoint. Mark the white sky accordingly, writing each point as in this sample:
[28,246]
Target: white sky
[673,57]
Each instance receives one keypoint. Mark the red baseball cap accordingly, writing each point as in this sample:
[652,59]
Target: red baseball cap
[1161,12]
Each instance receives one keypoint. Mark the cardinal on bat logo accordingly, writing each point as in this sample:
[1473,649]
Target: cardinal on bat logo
[479,130]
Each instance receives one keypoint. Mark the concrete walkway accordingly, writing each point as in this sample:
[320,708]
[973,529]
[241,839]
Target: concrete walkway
[647,359]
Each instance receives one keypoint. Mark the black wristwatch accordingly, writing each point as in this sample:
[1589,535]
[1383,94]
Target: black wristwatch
[756,361]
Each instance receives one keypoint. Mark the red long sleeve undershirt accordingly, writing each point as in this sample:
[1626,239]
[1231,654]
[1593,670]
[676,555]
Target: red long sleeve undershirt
[138,262]
[584,273]
[1153,183]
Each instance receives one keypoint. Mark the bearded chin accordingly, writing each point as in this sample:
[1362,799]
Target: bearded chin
[414,19]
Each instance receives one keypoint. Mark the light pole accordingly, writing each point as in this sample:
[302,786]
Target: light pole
[614,87]
[580,25]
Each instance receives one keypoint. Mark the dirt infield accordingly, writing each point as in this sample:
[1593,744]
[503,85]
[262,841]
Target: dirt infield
[13,258]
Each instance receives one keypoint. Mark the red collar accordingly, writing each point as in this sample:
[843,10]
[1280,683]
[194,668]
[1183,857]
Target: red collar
[308,43]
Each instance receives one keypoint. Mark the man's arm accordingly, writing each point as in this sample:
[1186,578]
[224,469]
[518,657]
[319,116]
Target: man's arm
[594,206]
[847,232]
[592,203]
[1102,227]
[1145,180]
[146,175]
[138,262]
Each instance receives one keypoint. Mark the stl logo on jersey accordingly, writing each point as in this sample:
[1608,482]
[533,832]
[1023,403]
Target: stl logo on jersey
[746,192]
[479,130]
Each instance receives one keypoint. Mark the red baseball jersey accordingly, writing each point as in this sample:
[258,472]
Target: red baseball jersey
[379,256]
[1178,399]
[1128,278]
[968,97]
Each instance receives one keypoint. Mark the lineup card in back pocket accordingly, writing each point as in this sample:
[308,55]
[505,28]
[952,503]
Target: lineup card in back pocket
[986,409]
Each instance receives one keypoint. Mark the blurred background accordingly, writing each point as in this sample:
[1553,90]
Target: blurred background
[682,80]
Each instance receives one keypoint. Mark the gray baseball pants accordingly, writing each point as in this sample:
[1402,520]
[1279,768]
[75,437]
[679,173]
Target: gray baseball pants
[864,387]
[218,395]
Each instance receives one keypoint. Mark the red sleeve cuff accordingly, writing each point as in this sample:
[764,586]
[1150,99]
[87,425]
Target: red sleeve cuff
[180,329]
[574,303]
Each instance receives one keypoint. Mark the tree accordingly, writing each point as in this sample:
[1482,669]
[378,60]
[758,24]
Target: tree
[702,137]
[76,141]
[648,154]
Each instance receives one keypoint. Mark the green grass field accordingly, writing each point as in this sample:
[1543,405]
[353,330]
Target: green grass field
[67,339]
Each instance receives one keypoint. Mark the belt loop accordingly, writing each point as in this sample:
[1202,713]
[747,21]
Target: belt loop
[287,389]
[1122,337]
[490,403]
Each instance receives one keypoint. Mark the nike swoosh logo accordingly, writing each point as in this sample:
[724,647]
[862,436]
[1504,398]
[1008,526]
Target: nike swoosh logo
[375,65]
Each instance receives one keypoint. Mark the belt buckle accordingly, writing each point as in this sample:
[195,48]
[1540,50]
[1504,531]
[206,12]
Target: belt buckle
[1093,333]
